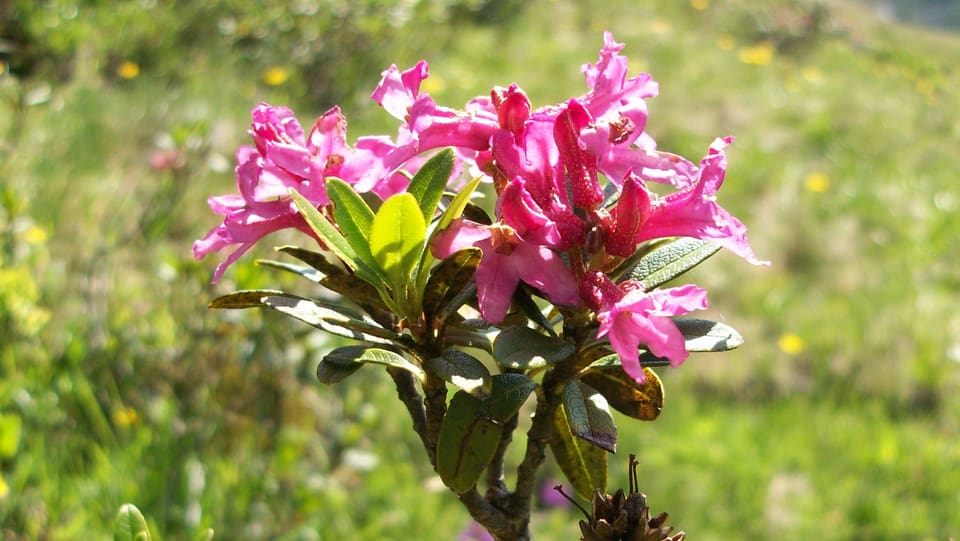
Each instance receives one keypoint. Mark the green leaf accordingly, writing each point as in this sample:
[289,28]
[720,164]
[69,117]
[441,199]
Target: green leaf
[701,335]
[467,442]
[325,230]
[671,260]
[642,401]
[459,334]
[130,525]
[582,463]
[331,371]
[468,295]
[304,271]
[449,278]
[589,417]
[367,354]
[705,335]
[508,393]
[453,211]
[248,298]
[317,260]
[646,359]
[522,348]
[428,184]
[355,221]
[333,319]
[397,237]
[354,217]
[463,370]
[335,241]
[339,280]
[456,206]
[529,307]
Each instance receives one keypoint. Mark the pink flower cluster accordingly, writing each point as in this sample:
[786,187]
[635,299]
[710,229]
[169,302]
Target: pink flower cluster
[555,169]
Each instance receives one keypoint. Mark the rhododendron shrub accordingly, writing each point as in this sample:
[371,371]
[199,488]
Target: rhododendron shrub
[553,296]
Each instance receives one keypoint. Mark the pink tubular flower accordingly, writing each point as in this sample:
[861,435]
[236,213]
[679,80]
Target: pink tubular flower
[631,317]
[506,261]
[579,163]
[426,125]
[694,212]
[281,159]
[632,210]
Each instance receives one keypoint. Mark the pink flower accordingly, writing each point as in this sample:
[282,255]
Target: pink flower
[694,212]
[580,164]
[281,159]
[426,125]
[631,317]
[632,210]
[506,261]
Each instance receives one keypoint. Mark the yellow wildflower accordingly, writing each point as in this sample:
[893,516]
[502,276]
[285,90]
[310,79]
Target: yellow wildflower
[757,55]
[128,69]
[126,417]
[276,76]
[817,182]
[790,343]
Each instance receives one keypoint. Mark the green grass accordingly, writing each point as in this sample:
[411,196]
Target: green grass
[117,384]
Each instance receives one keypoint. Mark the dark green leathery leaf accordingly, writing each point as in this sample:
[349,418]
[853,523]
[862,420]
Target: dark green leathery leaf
[705,335]
[508,392]
[467,442]
[522,348]
[361,354]
[670,260]
[589,417]
[582,463]
[250,298]
[642,401]
[449,278]
[463,370]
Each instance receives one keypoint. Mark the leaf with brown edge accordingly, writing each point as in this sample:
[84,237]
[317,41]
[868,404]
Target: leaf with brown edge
[588,414]
[643,401]
[250,298]
[582,463]
[448,279]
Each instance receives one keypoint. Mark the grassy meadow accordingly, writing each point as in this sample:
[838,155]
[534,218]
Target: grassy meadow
[839,419]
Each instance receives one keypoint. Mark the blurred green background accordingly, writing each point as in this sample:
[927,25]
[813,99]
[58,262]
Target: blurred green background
[838,420]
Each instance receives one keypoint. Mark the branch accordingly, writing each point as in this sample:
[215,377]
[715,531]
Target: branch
[435,400]
[410,396]
[496,488]
[497,522]
[538,437]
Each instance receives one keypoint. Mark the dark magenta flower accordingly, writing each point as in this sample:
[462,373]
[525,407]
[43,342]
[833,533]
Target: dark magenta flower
[507,260]
[426,126]
[694,212]
[631,317]
[281,159]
